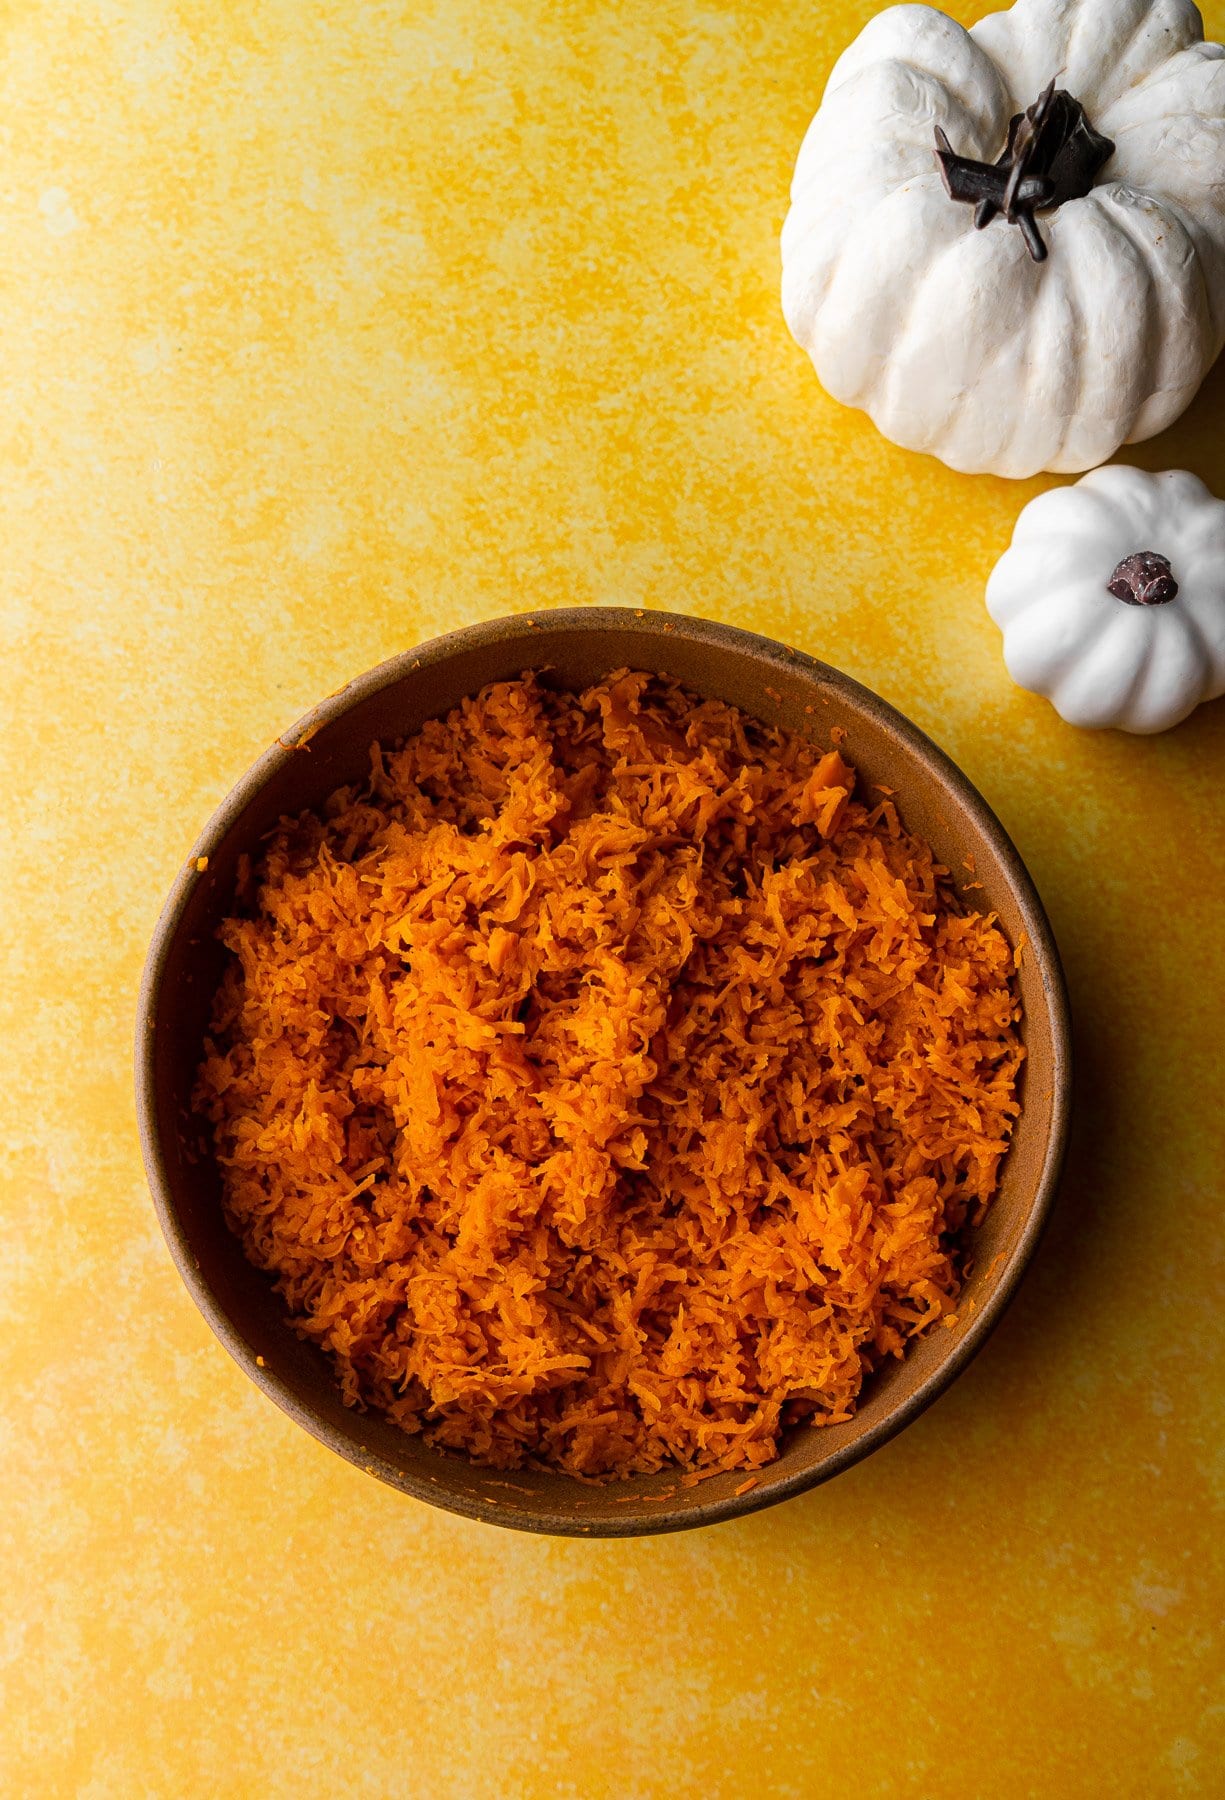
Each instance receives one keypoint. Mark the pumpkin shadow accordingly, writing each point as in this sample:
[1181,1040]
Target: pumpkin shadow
[1196,441]
[1201,738]
[1105,1120]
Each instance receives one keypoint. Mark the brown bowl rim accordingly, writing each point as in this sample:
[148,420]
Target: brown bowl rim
[693,628]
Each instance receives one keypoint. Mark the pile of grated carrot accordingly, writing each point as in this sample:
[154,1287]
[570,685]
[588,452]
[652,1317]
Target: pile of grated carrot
[606,1085]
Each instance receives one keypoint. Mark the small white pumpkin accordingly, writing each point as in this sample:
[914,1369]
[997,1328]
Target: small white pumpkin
[954,339]
[1112,598]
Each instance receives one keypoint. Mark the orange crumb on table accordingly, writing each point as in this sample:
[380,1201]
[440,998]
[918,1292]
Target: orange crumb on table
[302,742]
[606,1087]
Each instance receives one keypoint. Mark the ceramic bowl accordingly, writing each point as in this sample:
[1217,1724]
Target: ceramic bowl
[330,747]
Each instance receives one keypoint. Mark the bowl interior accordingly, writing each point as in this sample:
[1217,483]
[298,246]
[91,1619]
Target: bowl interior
[186,962]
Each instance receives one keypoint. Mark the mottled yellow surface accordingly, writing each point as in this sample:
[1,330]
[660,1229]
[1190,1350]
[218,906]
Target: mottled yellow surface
[326,327]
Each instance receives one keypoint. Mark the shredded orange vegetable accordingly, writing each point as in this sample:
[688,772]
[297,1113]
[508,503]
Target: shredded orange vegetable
[606,1086]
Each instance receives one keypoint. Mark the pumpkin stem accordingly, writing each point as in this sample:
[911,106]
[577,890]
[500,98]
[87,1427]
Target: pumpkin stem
[1144,579]
[1053,154]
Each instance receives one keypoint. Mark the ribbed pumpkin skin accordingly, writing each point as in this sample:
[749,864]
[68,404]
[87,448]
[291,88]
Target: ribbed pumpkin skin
[954,340]
[1099,660]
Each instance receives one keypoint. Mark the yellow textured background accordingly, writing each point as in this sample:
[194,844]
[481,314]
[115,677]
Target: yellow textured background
[323,328]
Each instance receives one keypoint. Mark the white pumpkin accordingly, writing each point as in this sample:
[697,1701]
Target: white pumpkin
[1112,598]
[954,339]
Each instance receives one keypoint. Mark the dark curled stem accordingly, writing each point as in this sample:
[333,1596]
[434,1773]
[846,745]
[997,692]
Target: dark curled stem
[1053,154]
